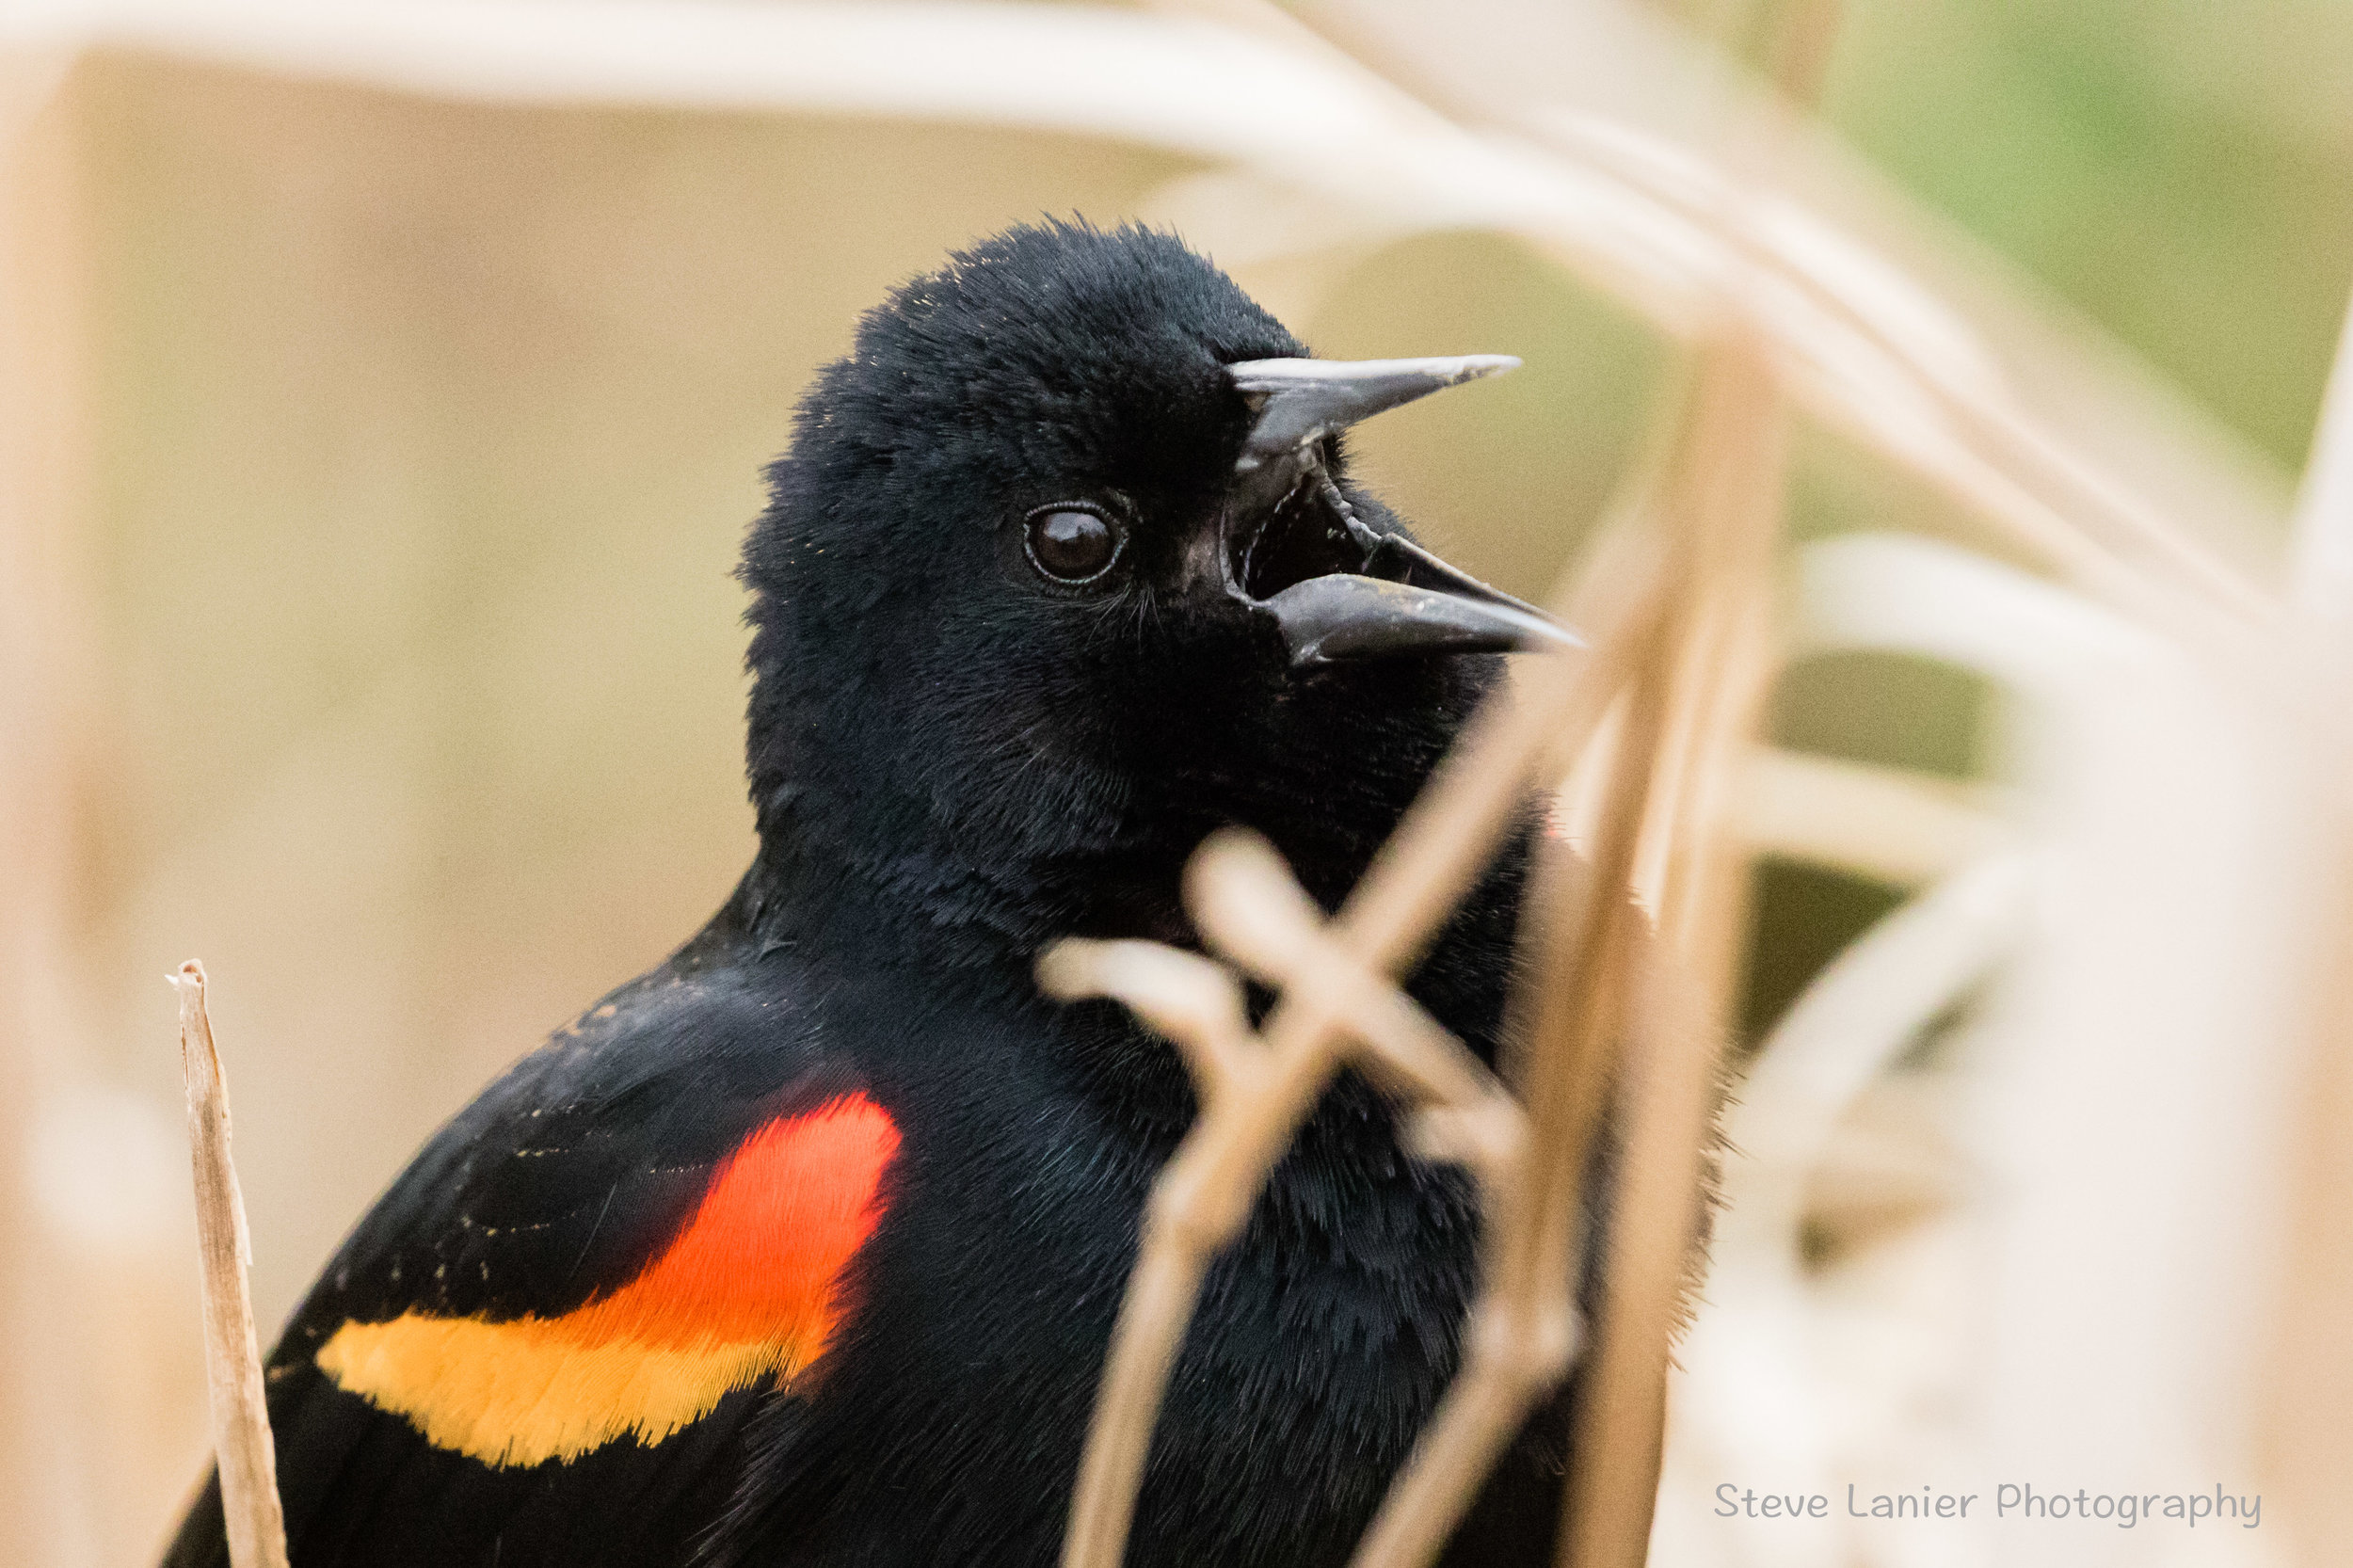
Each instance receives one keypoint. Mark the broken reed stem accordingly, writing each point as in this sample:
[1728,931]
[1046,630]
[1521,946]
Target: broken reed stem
[1204,1196]
[1243,898]
[1702,697]
[1521,1329]
[249,1505]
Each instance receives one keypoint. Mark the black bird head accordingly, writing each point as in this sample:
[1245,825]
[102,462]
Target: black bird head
[1064,569]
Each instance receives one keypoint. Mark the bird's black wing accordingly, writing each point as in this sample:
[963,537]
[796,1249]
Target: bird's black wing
[541,1344]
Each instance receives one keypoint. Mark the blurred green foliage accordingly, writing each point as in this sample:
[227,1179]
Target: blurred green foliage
[2179,170]
[2182,170]
[1805,915]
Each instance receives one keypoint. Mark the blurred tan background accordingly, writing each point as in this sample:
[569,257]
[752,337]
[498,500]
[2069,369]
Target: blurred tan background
[375,462]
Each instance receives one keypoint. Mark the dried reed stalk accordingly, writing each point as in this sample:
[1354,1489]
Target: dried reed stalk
[232,1358]
[1248,908]
[2309,1442]
[1695,708]
[2308,1446]
[1520,1329]
[1701,703]
[1885,825]
[1997,463]
[1989,455]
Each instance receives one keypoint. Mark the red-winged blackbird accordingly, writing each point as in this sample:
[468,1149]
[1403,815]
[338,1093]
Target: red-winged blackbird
[805,1247]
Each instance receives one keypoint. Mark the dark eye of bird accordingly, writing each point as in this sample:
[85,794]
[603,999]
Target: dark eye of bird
[1072,544]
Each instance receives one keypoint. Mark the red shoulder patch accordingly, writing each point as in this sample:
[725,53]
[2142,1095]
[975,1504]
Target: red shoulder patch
[750,1290]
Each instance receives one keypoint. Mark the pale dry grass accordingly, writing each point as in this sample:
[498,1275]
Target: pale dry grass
[2125,611]
[232,1355]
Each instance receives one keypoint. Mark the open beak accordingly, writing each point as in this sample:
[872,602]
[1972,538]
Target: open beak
[1338,589]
